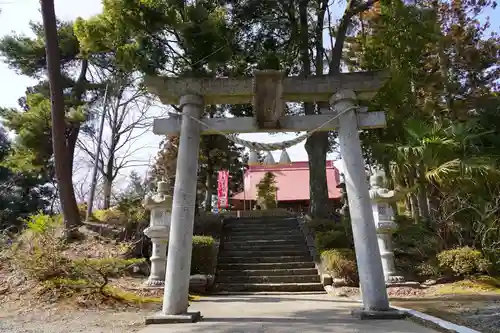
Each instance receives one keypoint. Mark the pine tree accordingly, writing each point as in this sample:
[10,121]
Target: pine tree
[266,191]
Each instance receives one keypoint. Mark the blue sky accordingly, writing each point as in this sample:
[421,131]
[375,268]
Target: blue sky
[15,16]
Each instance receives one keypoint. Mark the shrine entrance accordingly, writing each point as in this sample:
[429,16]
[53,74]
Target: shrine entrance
[268,91]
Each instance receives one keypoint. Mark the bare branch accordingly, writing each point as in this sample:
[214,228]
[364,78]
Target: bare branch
[353,8]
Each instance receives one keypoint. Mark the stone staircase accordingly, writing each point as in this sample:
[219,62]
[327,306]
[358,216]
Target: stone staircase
[265,255]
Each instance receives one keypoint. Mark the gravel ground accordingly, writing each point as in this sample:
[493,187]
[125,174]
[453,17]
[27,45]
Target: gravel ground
[486,318]
[20,315]
[480,311]
[57,321]
[482,316]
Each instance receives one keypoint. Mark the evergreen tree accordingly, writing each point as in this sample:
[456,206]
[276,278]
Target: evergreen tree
[21,193]
[266,191]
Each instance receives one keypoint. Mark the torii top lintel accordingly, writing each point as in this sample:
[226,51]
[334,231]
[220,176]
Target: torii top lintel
[241,90]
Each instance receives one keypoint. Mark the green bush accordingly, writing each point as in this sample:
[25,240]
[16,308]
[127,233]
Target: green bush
[128,213]
[463,261]
[322,225]
[333,239]
[38,251]
[82,210]
[413,245]
[133,209]
[341,263]
[208,224]
[203,257]
[428,270]
[97,270]
[110,216]
[417,241]
[42,224]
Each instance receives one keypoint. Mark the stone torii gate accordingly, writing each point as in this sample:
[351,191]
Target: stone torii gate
[268,91]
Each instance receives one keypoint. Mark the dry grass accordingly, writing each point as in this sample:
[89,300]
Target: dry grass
[39,269]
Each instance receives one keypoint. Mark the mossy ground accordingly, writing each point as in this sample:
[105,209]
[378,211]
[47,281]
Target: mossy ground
[461,302]
[475,285]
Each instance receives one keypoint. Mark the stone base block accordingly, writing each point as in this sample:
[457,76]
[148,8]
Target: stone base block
[377,314]
[326,280]
[394,279]
[185,318]
[408,284]
[154,283]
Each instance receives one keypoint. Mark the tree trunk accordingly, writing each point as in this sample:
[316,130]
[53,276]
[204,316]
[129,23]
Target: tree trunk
[209,191]
[196,204]
[414,208]
[408,204]
[433,200]
[413,198]
[107,186]
[316,147]
[423,204]
[108,180]
[62,159]
[317,144]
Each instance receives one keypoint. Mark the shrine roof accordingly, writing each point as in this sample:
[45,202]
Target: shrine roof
[292,181]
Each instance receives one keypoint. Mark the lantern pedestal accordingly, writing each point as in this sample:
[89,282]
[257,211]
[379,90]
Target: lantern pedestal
[383,216]
[385,229]
[158,231]
[159,239]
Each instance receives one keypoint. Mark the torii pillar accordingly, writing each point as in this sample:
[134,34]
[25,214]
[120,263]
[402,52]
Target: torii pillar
[268,91]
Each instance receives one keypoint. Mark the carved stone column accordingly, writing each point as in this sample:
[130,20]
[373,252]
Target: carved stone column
[371,275]
[160,206]
[180,244]
[384,222]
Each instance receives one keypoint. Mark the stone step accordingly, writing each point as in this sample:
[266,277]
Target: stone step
[265,231]
[268,219]
[267,253]
[269,279]
[267,260]
[263,237]
[267,266]
[277,242]
[267,272]
[279,230]
[232,226]
[261,287]
[280,233]
[250,246]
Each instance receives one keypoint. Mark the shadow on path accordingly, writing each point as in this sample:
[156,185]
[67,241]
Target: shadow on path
[282,314]
[267,299]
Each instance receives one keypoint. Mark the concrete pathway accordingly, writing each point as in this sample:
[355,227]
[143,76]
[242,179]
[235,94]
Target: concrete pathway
[296,313]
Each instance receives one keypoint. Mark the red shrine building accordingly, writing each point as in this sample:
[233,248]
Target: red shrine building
[292,181]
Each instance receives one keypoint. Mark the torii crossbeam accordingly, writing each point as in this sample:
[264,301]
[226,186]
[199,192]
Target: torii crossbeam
[268,91]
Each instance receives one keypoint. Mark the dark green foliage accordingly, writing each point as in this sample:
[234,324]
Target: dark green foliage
[21,193]
[208,224]
[322,225]
[332,233]
[414,245]
[428,270]
[464,261]
[203,257]
[332,239]
[266,191]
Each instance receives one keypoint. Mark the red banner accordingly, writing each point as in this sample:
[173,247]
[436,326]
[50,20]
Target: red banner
[222,189]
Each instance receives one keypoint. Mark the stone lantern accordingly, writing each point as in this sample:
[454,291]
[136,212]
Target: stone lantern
[160,205]
[383,215]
